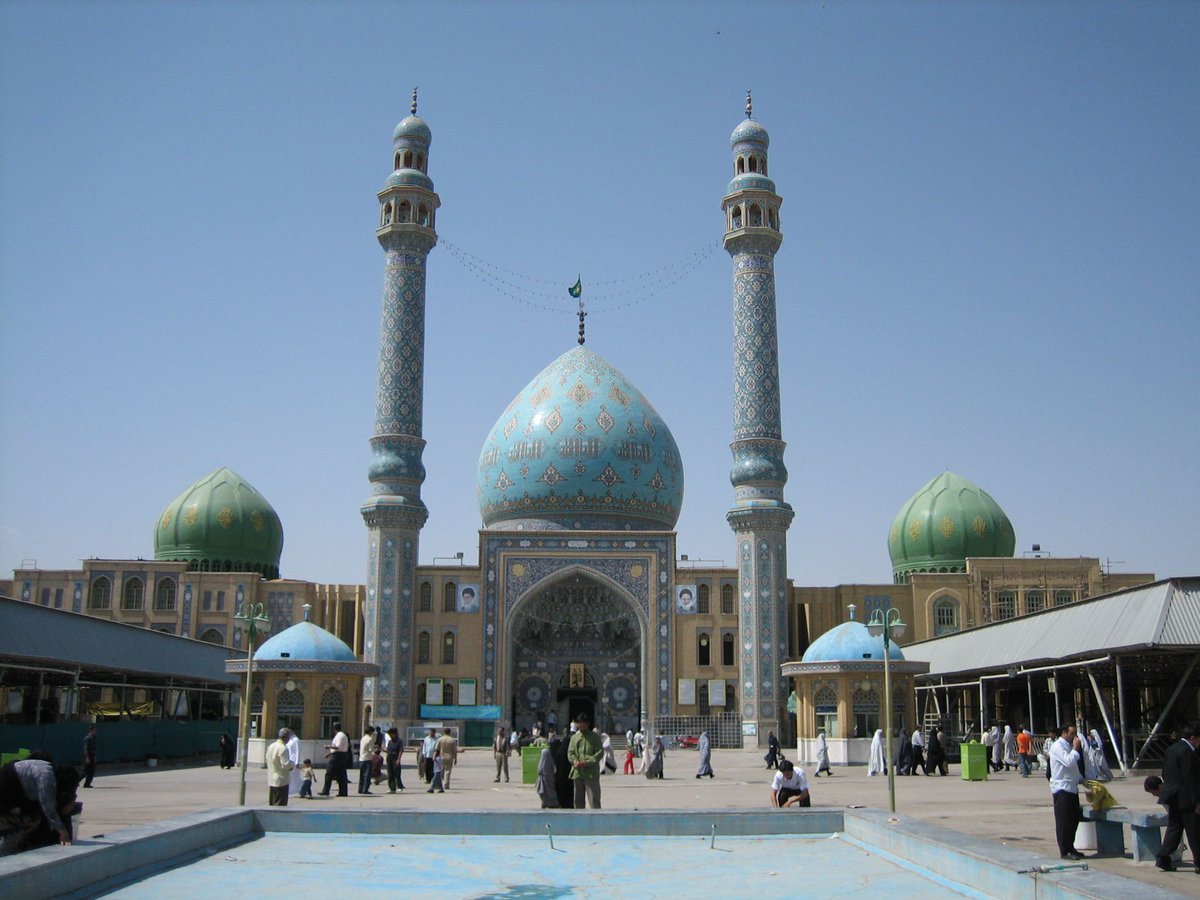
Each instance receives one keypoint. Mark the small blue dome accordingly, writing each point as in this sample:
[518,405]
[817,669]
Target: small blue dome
[413,128]
[750,132]
[849,642]
[403,177]
[305,641]
[751,182]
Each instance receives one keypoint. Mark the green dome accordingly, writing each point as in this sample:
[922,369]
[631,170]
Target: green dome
[947,521]
[221,524]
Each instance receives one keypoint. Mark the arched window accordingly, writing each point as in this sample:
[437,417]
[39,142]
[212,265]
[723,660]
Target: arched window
[1006,605]
[727,607]
[421,161]
[397,166]
[135,594]
[164,594]
[753,164]
[737,217]
[423,215]
[728,657]
[772,220]
[762,165]
[331,711]
[425,597]
[424,640]
[448,648]
[741,165]
[404,212]
[755,215]
[866,713]
[447,694]
[1062,598]
[702,599]
[289,710]
[945,616]
[387,214]
[730,696]
[421,695]
[408,159]
[100,596]
[703,649]
[702,698]
[825,708]
[212,636]
[450,597]
[1035,601]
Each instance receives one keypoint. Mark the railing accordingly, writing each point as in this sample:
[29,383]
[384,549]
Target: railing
[724,730]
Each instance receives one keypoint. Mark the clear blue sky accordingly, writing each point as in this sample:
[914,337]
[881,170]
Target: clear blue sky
[990,263]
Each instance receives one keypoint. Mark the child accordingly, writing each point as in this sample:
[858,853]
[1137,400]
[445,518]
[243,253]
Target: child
[437,773]
[306,775]
[376,765]
[629,760]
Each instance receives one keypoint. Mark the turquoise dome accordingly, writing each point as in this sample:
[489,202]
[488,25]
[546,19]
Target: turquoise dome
[849,642]
[305,641]
[750,132]
[412,128]
[580,449]
[409,177]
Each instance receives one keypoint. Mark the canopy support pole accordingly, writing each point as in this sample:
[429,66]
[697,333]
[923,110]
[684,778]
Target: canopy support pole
[1107,724]
[1166,709]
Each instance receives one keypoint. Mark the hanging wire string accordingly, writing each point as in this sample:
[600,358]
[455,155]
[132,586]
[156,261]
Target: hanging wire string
[623,292]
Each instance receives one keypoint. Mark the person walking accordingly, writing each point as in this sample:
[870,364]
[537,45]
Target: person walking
[501,750]
[89,756]
[585,753]
[436,768]
[428,745]
[338,754]
[918,752]
[1024,750]
[448,753]
[772,756]
[935,760]
[279,770]
[822,756]
[1064,789]
[877,765]
[227,750]
[1180,794]
[366,747]
[705,757]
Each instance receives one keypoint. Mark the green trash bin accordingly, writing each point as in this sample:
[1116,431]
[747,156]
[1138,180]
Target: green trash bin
[974,761]
[529,763]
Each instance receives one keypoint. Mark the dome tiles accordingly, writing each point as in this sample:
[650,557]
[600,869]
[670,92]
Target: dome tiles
[221,524]
[580,448]
[849,642]
[750,132]
[413,128]
[305,642]
[946,522]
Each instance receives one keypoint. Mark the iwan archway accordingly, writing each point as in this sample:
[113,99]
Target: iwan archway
[576,644]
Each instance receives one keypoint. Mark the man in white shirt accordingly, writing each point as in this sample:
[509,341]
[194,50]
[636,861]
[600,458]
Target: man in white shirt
[279,770]
[428,745]
[789,787]
[339,762]
[1064,789]
[366,747]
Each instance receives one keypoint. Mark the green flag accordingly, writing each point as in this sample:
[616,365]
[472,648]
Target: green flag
[576,290]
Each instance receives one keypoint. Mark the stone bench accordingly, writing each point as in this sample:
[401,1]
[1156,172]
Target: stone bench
[1146,828]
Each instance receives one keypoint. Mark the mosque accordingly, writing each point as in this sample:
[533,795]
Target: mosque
[580,601]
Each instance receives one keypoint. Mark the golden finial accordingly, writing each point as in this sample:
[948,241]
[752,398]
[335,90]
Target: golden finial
[749,105]
[414,103]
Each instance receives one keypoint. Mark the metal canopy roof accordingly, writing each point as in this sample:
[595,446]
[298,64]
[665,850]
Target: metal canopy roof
[1161,616]
[37,635]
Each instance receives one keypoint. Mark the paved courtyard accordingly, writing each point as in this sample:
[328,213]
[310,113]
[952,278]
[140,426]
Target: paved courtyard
[1007,809]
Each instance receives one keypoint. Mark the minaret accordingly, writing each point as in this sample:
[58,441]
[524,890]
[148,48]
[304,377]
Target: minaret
[760,517]
[395,514]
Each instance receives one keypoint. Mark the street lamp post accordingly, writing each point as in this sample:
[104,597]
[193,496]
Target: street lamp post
[254,618]
[887,623]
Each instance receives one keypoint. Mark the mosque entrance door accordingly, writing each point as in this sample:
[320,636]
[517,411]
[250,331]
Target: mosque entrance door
[576,647]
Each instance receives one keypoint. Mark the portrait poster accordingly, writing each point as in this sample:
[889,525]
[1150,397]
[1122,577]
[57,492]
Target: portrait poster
[468,598]
[687,691]
[716,692]
[685,598]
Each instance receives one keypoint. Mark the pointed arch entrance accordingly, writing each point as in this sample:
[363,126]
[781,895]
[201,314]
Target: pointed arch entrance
[576,645]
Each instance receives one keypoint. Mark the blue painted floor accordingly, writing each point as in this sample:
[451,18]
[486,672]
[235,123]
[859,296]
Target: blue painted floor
[303,865]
